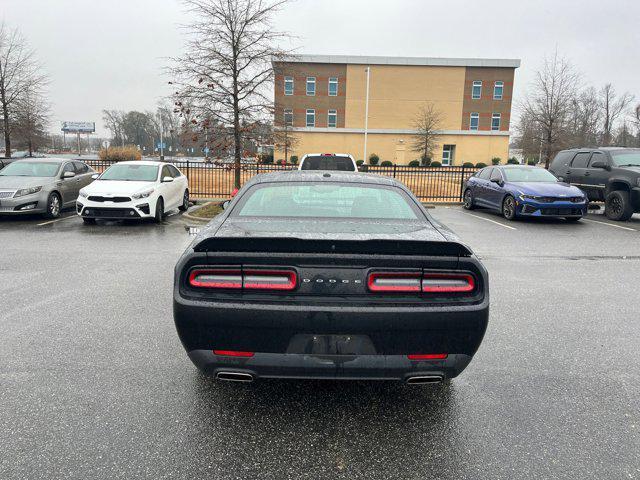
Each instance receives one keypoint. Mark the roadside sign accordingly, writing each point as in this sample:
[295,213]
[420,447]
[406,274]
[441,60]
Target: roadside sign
[162,145]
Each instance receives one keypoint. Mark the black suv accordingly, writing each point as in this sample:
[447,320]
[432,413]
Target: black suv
[610,175]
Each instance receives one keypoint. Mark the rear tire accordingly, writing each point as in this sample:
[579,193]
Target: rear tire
[159,216]
[509,208]
[89,221]
[185,202]
[54,206]
[618,206]
[467,200]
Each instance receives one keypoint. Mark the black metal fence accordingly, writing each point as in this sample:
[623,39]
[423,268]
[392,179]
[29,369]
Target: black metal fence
[206,180]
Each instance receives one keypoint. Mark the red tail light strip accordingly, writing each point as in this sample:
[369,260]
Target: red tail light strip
[428,356]
[216,279]
[407,282]
[270,279]
[233,353]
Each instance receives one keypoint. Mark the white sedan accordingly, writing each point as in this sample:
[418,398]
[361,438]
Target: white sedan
[133,190]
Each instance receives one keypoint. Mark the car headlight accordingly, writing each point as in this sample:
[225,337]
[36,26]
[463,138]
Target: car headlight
[140,195]
[27,191]
[83,194]
[529,197]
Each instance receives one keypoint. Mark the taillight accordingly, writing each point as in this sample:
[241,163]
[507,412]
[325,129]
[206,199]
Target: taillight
[394,282]
[448,283]
[235,278]
[428,356]
[218,278]
[233,353]
[269,279]
[428,282]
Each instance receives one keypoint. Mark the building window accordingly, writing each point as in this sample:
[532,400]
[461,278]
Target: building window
[474,122]
[447,154]
[476,91]
[332,119]
[495,121]
[498,90]
[333,87]
[288,117]
[288,85]
[311,86]
[311,118]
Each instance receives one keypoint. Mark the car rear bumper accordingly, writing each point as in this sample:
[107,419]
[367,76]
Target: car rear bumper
[111,211]
[330,367]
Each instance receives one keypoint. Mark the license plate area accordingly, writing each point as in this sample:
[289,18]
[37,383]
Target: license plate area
[311,344]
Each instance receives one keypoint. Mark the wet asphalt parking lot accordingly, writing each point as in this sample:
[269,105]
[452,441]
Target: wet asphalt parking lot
[95,384]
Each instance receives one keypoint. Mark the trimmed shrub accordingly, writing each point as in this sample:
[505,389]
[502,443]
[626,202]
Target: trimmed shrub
[426,161]
[467,165]
[374,159]
[496,160]
[414,163]
[359,162]
[267,159]
[120,154]
[294,159]
[481,165]
[435,164]
[513,161]
[386,163]
[532,162]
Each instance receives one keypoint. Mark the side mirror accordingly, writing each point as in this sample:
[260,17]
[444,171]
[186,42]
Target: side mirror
[167,179]
[600,164]
[225,205]
[68,175]
[497,180]
[95,176]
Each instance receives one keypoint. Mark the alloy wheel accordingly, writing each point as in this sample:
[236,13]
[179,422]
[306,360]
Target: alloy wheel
[54,206]
[468,201]
[509,208]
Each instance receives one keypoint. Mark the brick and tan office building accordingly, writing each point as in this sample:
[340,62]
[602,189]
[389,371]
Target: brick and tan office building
[322,99]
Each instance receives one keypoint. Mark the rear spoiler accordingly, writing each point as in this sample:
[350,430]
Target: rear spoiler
[364,247]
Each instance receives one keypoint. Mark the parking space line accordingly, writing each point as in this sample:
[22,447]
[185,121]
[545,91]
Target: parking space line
[610,224]
[56,220]
[488,220]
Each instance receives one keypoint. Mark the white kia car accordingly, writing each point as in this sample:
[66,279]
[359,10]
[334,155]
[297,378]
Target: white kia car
[133,190]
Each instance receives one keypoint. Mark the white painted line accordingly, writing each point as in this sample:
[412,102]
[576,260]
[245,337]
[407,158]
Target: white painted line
[56,220]
[489,220]
[610,224]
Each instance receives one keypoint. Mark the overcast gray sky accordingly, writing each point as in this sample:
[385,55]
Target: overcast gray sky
[111,54]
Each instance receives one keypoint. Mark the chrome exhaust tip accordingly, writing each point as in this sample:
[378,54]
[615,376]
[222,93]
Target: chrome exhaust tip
[424,379]
[234,377]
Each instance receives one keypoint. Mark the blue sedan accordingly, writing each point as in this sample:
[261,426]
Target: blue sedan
[523,191]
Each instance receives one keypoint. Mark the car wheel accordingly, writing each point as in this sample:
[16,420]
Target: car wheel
[467,201]
[89,221]
[185,202]
[509,208]
[54,205]
[159,216]
[618,206]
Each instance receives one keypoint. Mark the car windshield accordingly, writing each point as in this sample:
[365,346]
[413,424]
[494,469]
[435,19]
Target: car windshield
[625,158]
[131,173]
[328,200]
[533,174]
[30,169]
[328,162]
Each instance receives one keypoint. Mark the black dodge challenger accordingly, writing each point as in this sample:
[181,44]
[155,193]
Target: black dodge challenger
[329,275]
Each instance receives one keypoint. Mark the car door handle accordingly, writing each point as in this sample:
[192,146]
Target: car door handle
[586,174]
[568,172]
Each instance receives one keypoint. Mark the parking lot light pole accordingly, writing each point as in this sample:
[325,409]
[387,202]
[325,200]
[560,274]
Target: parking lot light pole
[366,116]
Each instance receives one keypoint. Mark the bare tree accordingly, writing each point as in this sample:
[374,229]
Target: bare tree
[226,71]
[31,120]
[585,120]
[612,107]
[427,123]
[284,140]
[19,74]
[114,122]
[550,100]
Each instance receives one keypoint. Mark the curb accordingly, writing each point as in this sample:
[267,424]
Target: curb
[195,208]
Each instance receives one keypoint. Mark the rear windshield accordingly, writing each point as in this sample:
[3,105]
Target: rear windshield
[131,173]
[524,174]
[30,169]
[328,162]
[630,158]
[328,200]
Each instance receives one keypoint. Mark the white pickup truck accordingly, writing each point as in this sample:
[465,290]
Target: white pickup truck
[329,161]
